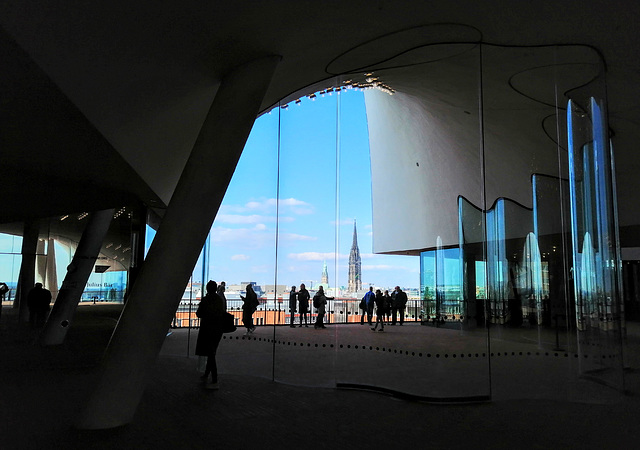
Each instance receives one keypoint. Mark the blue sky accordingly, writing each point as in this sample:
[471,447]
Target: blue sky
[320,171]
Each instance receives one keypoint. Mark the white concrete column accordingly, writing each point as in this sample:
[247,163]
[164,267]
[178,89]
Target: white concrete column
[41,263]
[142,328]
[51,281]
[76,279]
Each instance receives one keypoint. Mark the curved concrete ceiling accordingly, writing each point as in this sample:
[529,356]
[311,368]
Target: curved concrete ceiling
[143,74]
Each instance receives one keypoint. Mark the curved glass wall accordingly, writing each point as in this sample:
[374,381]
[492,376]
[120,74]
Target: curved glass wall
[476,178]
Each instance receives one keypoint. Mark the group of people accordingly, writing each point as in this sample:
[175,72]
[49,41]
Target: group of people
[299,302]
[212,309]
[389,306]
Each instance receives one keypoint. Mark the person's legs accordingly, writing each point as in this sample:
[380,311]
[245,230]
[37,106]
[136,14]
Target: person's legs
[212,367]
[401,311]
[246,320]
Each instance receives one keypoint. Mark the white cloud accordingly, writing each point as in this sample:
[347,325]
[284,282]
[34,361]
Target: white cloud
[240,219]
[315,256]
[256,205]
[260,227]
[242,237]
[296,237]
[291,202]
[240,257]
[293,205]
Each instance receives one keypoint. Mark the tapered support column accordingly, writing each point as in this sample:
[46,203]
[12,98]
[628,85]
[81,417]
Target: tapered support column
[27,276]
[51,281]
[142,328]
[75,281]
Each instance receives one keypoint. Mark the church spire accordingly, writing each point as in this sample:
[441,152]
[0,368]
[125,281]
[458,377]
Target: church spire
[355,264]
[325,276]
[355,235]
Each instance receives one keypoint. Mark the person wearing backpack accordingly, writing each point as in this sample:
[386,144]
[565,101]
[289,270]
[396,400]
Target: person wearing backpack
[320,303]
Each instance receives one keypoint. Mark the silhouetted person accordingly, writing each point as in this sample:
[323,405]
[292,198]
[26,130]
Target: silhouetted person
[387,305]
[249,305]
[3,291]
[380,308]
[221,288]
[320,303]
[293,299]
[38,302]
[368,303]
[303,303]
[210,311]
[399,303]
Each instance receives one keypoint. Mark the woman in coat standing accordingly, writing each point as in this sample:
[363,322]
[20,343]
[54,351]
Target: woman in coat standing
[249,306]
[210,311]
[293,297]
[303,302]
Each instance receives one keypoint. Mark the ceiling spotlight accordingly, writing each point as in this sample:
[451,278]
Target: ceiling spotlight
[298,101]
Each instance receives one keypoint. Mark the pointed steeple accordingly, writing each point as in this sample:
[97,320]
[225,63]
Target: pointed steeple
[325,276]
[355,235]
[355,275]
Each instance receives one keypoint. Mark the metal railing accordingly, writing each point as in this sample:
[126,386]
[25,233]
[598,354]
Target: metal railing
[270,312]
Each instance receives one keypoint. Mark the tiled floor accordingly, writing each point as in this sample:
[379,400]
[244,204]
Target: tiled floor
[42,391]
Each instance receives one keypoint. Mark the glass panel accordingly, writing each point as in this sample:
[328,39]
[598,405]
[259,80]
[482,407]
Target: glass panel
[10,259]
[595,250]
[421,162]
[531,253]
[307,239]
